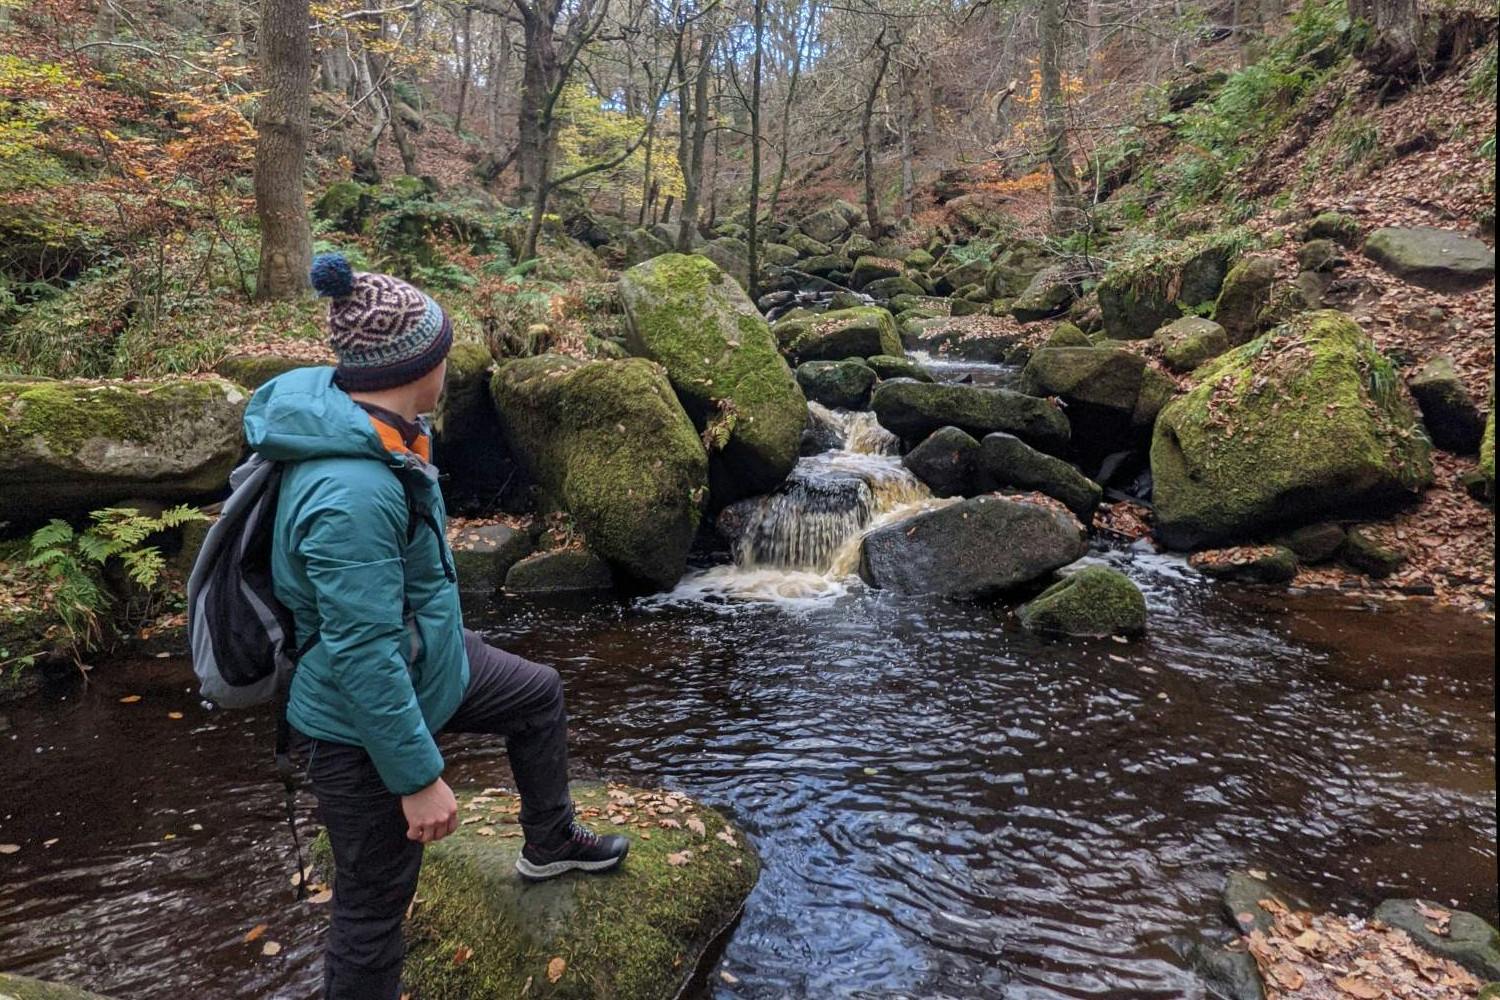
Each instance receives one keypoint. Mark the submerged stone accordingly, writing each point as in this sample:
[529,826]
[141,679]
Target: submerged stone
[483,555]
[1093,602]
[1364,552]
[1286,430]
[479,931]
[973,548]
[1469,940]
[1240,900]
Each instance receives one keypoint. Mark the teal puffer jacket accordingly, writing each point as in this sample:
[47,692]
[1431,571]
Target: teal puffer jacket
[388,669]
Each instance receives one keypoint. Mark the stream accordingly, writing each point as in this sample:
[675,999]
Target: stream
[945,805]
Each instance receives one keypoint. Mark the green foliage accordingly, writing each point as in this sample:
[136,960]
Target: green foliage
[75,564]
[967,253]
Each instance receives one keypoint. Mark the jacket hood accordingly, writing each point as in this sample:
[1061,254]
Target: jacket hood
[302,415]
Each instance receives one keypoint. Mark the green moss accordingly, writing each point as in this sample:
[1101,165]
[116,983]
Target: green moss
[1152,285]
[22,988]
[891,366]
[634,933]
[254,370]
[685,314]
[1301,422]
[1095,601]
[608,442]
[1067,335]
[1487,447]
[861,332]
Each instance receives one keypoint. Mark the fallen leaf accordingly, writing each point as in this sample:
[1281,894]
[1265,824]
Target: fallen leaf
[1362,988]
[696,825]
[556,968]
[174,715]
[254,933]
[485,831]
[319,898]
[1287,975]
[9,848]
[679,858]
[728,977]
[270,949]
[130,699]
[462,954]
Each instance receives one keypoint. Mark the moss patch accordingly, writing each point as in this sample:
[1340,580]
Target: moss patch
[1156,284]
[862,332]
[634,933]
[1303,422]
[1095,601]
[22,988]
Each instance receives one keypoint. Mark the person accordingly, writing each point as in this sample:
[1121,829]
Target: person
[360,558]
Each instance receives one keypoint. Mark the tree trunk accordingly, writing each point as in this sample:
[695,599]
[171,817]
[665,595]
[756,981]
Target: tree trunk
[537,80]
[1067,200]
[465,70]
[281,126]
[866,121]
[693,125]
[1394,49]
[752,237]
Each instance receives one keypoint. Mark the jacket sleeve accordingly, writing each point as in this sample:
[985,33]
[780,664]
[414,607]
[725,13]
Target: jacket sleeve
[351,545]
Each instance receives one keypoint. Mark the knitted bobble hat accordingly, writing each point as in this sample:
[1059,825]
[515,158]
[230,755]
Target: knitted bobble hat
[384,332]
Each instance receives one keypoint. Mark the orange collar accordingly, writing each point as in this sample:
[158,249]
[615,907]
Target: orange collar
[421,445]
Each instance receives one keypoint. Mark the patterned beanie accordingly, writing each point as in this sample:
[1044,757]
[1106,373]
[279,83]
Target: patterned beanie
[384,332]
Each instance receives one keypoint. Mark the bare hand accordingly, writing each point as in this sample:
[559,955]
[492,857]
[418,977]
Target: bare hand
[431,814]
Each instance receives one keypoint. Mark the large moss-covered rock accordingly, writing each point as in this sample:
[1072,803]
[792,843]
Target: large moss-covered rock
[913,410]
[806,246]
[466,441]
[972,338]
[1453,419]
[478,931]
[608,442]
[945,462]
[871,268]
[683,313]
[1469,940]
[827,225]
[838,384]
[1439,259]
[1244,297]
[1105,377]
[345,205]
[898,286]
[1095,601]
[642,245]
[973,548]
[1005,461]
[1138,295]
[1049,293]
[1013,270]
[254,370]
[861,332]
[1189,342]
[71,447]
[23,988]
[1308,421]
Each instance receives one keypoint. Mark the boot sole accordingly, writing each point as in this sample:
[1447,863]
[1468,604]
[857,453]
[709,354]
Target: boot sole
[538,873]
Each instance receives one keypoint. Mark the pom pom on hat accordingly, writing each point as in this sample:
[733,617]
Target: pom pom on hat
[331,275]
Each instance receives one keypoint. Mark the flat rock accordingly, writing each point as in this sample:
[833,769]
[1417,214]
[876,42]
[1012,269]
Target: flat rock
[1438,259]
[483,555]
[1470,940]
[973,548]
[1247,564]
[913,410]
[1189,342]
[561,571]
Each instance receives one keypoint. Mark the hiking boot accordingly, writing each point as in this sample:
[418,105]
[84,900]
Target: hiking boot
[583,850]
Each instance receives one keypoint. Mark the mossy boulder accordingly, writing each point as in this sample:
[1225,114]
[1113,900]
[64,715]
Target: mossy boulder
[843,333]
[642,245]
[842,385]
[478,930]
[1336,226]
[1315,543]
[1364,552]
[1049,293]
[1005,461]
[953,275]
[824,265]
[483,554]
[1247,563]
[1305,422]
[345,205]
[919,260]
[778,255]
[1140,294]
[871,268]
[1093,602]
[683,313]
[14,987]
[1188,342]
[559,571]
[1439,259]
[730,255]
[254,370]
[913,410]
[806,246]
[1487,449]
[1321,257]
[1108,378]
[885,289]
[945,462]
[466,441]
[608,442]
[71,447]
[1453,419]
[892,366]
[1067,335]
[973,548]
[972,338]
[1468,940]
[826,226]
[1013,270]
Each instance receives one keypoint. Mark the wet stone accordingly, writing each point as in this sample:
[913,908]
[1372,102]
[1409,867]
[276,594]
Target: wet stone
[559,572]
[1247,564]
[1364,552]
[1468,939]
[484,555]
[946,462]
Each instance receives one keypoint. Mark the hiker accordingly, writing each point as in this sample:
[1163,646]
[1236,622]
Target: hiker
[360,558]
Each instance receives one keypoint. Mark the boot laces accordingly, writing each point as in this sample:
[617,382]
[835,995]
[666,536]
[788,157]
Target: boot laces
[582,835]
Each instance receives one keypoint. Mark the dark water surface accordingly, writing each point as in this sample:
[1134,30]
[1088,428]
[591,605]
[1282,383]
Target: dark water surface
[945,807]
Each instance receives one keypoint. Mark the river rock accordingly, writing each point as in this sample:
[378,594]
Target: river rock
[1314,543]
[608,442]
[1438,259]
[946,461]
[872,268]
[952,277]
[919,260]
[826,226]
[1470,941]
[806,246]
[1138,296]
[466,441]
[1247,564]
[1367,554]
[254,370]
[1189,342]
[1013,270]
[973,548]
[885,289]
[1244,297]
[70,447]
[1452,418]
[1093,602]
[1067,335]
[1240,902]
[824,266]
[1105,377]
[14,987]
[1047,294]
[842,333]
[1007,461]
[1282,432]
[842,385]
[1321,256]
[484,554]
[722,360]
[559,571]
[913,410]
[891,366]
[971,338]
[778,255]
[1231,969]
[635,932]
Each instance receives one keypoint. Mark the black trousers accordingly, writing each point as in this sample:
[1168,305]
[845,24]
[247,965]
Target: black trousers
[376,866]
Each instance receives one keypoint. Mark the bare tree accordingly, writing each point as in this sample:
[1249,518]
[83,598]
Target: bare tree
[1067,199]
